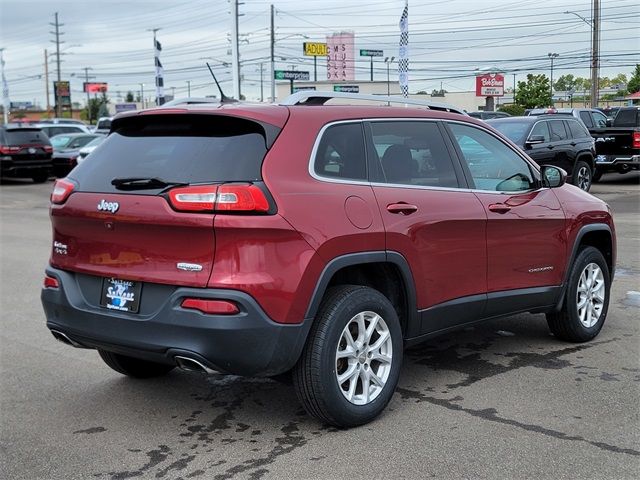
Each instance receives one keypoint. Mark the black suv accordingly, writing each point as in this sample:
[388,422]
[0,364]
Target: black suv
[25,152]
[556,139]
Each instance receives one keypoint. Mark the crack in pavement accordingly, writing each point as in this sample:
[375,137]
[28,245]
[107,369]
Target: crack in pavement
[491,414]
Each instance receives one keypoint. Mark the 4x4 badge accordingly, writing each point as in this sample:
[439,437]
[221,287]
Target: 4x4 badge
[105,206]
[189,267]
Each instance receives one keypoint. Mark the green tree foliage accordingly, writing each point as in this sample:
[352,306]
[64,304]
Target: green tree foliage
[534,92]
[633,85]
[96,105]
[567,82]
[512,109]
[129,97]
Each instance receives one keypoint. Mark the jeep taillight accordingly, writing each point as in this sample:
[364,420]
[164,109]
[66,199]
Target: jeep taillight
[61,191]
[47,148]
[8,150]
[228,198]
[636,139]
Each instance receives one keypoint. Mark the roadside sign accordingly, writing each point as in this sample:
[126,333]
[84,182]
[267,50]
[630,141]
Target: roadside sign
[62,91]
[93,87]
[346,88]
[371,53]
[490,85]
[124,107]
[301,89]
[290,75]
[314,49]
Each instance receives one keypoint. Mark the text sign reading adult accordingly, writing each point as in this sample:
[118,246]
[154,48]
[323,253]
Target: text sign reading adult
[314,49]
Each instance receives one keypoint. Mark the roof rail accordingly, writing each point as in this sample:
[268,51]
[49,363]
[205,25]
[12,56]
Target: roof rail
[312,97]
[190,101]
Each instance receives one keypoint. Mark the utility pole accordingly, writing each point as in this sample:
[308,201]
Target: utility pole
[5,90]
[552,56]
[86,80]
[595,53]
[273,60]
[188,88]
[235,49]
[57,41]
[142,94]
[261,82]
[46,79]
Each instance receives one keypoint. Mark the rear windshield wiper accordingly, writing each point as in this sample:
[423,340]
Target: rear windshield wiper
[143,183]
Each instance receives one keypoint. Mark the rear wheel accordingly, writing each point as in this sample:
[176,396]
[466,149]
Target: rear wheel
[586,300]
[134,367]
[349,369]
[582,175]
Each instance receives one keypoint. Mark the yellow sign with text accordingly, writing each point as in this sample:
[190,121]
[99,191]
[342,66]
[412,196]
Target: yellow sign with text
[312,49]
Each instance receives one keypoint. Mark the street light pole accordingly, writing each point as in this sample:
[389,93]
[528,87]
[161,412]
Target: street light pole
[142,94]
[388,61]
[595,54]
[189,88]
[552,56]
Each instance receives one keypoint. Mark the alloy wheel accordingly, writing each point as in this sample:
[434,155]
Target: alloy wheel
[590,296]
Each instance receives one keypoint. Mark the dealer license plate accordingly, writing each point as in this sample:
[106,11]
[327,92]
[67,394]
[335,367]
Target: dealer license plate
[121,295]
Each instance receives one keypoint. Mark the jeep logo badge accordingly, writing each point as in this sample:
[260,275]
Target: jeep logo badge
[105,206]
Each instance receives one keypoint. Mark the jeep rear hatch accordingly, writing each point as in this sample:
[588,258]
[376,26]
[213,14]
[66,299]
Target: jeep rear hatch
[139,207]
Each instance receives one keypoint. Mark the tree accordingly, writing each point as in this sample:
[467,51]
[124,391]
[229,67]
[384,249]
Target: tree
[633,85]
[512,109]
[129,97]
[534,92]
[566,82]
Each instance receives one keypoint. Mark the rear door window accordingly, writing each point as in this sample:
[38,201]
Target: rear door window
[176,148]
[412,153]
[577,130]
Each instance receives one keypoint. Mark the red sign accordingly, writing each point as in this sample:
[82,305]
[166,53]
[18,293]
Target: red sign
[90,87]
[490,85]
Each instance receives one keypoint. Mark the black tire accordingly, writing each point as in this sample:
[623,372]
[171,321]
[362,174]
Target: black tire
[315,374]
[134,367]
[566,324]
[597,175]
[582,175]
[40,177]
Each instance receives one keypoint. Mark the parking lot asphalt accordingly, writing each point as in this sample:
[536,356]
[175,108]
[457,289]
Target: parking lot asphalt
[501,400]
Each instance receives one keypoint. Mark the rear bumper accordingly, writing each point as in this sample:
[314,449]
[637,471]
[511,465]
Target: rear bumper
[248,343]
[630,161]
[11,168]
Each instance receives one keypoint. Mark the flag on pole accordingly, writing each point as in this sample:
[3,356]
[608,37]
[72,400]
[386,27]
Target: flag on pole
[159,72]
[403,57]
[5,89]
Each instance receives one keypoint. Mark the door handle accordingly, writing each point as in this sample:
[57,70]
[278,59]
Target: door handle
[573,144]
[550,147]
[401,208]
[499,207]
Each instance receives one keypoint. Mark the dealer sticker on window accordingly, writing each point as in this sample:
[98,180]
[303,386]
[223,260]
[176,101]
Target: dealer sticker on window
[121,295]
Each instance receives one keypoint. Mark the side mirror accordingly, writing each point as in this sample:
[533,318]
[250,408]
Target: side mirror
[535,139]
[552,177]
[609,122]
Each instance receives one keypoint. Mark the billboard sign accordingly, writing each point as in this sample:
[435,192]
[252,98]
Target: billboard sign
[371,53]
[62,91]
[93,87]
[290,75]
[490,85]
[341,57]
[21,105]
[125,107]
[346,88]
[314,49]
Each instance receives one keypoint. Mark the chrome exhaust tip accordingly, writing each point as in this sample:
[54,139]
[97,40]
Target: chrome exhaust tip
[61,337]
[192,365]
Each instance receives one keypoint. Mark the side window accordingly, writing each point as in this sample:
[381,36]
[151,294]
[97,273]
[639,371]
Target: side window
[599,120]
[541,128]
[493,165]
[341,153]
[586,118]
[577,129]
[558,132]
[413,153]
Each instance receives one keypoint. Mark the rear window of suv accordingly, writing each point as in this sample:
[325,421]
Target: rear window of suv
[24,136]
[176,148]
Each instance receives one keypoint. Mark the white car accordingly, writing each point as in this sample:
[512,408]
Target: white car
[53,129]
[88,148]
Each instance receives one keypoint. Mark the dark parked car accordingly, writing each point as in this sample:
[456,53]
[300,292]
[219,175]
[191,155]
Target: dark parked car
[25,152]
[488,115]
[618,146]
[66,149]
[593,119]
[319,241]
[555,139]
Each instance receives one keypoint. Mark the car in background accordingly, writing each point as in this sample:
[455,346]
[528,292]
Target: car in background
[53,129]
[63,121]
[487,115]
[618,146]
[103,125]
[556,139]
[66,148]
[25,152]
[89,147]
[610,112]
[593,119]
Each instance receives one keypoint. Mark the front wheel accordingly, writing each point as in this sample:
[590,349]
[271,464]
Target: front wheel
[349,369]
[586,300]
[134,367]
[582,175]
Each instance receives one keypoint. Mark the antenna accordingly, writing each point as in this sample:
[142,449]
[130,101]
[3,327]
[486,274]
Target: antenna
[223,97]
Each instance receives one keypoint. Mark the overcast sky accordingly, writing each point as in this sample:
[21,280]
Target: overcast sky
[449,39]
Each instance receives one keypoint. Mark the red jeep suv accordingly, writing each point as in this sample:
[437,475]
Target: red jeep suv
[314,239]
